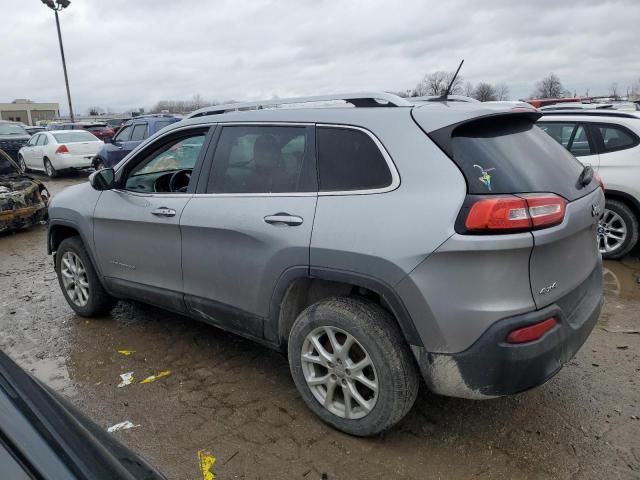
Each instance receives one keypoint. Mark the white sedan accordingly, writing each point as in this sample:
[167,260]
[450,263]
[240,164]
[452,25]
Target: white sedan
[57,150]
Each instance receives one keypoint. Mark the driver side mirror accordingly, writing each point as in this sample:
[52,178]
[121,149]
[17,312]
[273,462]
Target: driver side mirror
[103,179]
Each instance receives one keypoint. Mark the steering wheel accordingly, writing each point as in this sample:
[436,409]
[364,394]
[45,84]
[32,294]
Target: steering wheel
[179,181]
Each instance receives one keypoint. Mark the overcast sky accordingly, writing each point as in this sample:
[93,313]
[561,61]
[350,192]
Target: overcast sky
[124,54]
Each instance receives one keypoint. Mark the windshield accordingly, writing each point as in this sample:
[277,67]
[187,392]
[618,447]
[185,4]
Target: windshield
[12,129]
[75,136]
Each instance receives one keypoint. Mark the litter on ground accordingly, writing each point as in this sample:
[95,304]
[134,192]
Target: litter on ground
[121,426]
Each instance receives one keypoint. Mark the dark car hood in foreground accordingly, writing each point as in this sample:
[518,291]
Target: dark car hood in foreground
[50,439]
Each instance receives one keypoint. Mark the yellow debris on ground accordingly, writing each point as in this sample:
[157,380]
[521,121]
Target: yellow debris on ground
[153,378]
[126,353]
[206,461]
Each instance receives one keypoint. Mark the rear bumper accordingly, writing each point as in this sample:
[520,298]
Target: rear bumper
[60,162]
[491,367]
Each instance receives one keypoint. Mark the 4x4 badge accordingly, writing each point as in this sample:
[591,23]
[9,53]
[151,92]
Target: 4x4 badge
[485,178]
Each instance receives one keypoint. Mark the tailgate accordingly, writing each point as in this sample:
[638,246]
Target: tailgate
[563,257]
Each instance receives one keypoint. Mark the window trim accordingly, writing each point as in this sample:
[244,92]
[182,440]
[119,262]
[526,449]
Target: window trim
[395,176]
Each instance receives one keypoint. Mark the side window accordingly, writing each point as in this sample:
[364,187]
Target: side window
[41,140]
[580,143]
[617,138]
[174,159]
[46,140]
[33,140]
[124,134]
[139,132]
[262,159]
[560,132]
[349,159]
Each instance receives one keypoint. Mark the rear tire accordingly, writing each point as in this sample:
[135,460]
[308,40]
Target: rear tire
[48,168]
[617,230]
[79,282]
[23,164]
[383,391]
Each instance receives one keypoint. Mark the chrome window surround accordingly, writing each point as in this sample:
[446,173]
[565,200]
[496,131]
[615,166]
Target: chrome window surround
[395,176]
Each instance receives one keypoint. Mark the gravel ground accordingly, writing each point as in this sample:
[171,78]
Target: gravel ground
[236,400]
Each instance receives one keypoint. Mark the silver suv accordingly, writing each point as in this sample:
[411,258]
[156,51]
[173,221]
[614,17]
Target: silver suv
[372,240]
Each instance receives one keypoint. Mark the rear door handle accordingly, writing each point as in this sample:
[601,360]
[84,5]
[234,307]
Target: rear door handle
[164,212]
[282,217]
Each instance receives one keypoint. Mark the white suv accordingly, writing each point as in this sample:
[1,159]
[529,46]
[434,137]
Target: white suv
[609,142]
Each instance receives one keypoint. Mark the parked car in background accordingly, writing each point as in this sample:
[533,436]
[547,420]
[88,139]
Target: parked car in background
[609,141]
[116,123]
[43,436]
[130,135]
[12,137]
[59,150]
[449,239]
[34,129]
[99,129]
[23,199]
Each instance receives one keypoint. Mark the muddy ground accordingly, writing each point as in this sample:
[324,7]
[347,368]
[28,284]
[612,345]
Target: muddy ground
[236,399]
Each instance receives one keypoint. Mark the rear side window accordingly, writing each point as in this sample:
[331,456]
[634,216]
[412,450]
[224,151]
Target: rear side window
[262,159]
[570,135]
[160,124]
[617,138]
[349,160]
[139,132]
[512,155]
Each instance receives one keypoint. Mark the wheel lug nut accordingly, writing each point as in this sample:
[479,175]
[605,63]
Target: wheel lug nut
[347,371]
[344,382]
[330,365]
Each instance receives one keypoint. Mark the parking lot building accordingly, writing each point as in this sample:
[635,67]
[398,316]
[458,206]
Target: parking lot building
[28,112]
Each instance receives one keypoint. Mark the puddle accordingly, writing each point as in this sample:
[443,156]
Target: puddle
[620,279]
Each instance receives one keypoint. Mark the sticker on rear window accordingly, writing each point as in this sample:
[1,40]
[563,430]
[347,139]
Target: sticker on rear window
[485,178]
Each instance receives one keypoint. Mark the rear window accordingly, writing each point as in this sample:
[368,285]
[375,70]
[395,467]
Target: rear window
[349,160]
[500,156]
[617,138]
[12,129]
[75,136]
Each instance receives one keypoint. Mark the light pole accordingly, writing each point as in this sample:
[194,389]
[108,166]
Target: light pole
[56,7]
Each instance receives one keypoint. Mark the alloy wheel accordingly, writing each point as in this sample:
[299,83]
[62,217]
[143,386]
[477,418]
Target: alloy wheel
[23,164]
[612,231]
[48,167]
[339,372]
[74,279]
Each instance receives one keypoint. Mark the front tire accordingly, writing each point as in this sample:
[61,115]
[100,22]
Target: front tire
[23,164]
[617,230]
[48,168]
[351,365]
[79,282]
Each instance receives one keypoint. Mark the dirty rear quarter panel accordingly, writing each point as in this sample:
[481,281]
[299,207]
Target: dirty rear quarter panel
[469,283]
[386,235]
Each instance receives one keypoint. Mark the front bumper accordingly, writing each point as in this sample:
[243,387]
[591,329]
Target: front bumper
[491,367]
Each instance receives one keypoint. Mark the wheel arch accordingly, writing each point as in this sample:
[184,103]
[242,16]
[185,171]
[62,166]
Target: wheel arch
[300,287]
[625,198]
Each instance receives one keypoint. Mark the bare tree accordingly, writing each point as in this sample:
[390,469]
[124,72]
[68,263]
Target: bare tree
[549,87]
[484,92]
[468,89]
[436,83]
[502,91]
[181,106]
[613,90]
[94,111]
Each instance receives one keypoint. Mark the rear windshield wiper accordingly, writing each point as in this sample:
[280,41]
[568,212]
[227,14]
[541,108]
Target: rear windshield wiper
[585,177]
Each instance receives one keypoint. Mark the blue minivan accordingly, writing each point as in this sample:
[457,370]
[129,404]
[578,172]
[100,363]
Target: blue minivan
[129,137]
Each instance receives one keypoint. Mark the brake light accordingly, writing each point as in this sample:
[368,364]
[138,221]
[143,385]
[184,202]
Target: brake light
[532,332]
[598,179]
[512,213]
[62,149]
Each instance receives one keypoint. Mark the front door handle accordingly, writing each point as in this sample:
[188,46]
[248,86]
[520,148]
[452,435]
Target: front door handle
[164,212]
[285,218]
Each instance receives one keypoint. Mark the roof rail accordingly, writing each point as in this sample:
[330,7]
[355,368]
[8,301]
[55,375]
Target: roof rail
[591,113]
[362,99]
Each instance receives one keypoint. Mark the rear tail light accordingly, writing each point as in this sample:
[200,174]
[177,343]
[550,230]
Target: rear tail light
[598,179]
[515,213]
[62,149]
[532,332]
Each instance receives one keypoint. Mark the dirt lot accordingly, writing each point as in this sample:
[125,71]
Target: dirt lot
[236,399]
